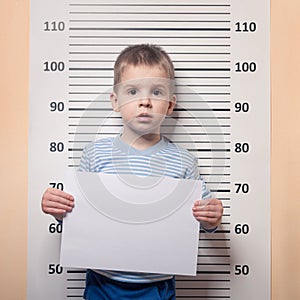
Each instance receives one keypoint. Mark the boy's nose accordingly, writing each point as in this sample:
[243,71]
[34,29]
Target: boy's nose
[145,102]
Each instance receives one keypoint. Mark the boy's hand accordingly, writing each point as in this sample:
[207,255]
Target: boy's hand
[57,203]
[208,212]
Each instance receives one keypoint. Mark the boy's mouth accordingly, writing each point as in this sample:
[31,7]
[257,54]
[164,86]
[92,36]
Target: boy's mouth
[144,117]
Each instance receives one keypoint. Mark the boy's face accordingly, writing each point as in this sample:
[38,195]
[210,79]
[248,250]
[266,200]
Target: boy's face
[144,97]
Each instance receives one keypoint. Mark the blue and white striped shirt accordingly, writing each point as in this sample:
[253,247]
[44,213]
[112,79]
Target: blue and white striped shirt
[114,156]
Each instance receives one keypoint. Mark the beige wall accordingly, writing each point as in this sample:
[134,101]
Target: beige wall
[14,32]
[285,163]
[285,157]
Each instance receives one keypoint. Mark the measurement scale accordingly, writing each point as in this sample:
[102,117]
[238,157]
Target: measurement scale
[220,50]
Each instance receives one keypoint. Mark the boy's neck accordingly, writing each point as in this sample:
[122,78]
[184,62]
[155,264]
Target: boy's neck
[141,142]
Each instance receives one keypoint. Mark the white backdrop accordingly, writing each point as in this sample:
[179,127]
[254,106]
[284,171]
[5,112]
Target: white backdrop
[220,50]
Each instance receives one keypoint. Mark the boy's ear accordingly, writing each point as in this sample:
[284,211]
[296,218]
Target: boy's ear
[114,102]
[172,104]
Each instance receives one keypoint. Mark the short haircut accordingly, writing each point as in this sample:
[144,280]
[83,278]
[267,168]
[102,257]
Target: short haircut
[143,55]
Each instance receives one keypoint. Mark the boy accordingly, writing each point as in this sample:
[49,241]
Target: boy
[143,95]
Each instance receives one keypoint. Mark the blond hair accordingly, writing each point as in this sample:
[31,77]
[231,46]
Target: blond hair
[143,55]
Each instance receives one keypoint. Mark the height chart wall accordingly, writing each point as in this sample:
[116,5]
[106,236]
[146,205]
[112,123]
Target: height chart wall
[220,50]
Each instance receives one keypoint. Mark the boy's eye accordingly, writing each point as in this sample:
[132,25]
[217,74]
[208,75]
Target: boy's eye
[132,92]
[157,92]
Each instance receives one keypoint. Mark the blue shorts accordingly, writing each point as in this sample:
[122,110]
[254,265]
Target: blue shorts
[99,287]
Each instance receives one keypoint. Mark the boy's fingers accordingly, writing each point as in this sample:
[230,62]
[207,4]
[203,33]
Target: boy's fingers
[207,214]
[60,205]
[60,193]
[204,208]
[61,200]
[58,196]
[55,201]
[56,211]
[205,202]
[51,207]
[208,205]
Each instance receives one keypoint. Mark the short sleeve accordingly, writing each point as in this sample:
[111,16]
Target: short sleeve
[85,161]
[205,191]
[193,173]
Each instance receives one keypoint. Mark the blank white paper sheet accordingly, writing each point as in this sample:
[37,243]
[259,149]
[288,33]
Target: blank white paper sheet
[131,223]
